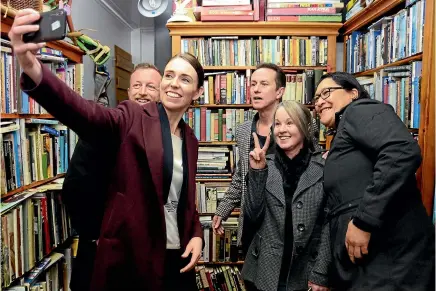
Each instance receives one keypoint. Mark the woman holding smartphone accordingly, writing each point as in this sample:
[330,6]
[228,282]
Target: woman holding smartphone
[150,237]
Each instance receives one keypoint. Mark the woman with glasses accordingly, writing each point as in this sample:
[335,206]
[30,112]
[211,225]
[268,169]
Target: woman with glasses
[150,236]
[381,237]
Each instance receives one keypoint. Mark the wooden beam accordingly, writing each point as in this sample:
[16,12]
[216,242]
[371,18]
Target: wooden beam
[426,174]
[251,29]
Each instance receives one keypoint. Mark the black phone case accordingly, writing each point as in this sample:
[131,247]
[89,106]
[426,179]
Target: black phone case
[52,26]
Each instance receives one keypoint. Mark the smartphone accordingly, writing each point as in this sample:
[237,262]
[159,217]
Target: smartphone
[52,26]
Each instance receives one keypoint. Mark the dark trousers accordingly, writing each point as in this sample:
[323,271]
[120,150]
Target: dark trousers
[83,266]
[173,279]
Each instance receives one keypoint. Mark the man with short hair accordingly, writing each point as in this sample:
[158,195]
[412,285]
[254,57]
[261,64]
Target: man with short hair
[267,86]
[84,187]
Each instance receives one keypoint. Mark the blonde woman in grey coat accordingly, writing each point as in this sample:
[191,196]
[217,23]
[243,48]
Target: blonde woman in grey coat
[285,196]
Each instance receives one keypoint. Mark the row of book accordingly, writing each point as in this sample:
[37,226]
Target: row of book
[51,274]
[33,224]
[398,86]
[216,124]
[387,40]
[221,248]
[236,51]
[16,101]
[209,195]
[33,150]
[234,87]
[220,278]
[226,88]
[269,10]
[301,87]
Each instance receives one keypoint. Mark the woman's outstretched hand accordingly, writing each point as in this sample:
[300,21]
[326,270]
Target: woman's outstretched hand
[25,52]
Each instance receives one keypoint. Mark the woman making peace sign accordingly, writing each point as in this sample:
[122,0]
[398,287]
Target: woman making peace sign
[285,195]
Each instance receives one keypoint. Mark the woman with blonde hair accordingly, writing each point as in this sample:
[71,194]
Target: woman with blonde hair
[285,196]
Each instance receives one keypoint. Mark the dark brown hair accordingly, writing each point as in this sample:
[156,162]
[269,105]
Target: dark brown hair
[193,61]
[280,75]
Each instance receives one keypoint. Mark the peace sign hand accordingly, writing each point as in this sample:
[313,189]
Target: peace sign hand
[257,155]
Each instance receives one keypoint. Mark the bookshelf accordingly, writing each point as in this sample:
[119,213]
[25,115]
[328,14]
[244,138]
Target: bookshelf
[422,54]
[36,241]
[258,39]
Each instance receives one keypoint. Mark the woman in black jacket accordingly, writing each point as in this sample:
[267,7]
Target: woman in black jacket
[381,236]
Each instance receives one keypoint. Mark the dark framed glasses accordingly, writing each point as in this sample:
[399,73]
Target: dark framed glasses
[325,93]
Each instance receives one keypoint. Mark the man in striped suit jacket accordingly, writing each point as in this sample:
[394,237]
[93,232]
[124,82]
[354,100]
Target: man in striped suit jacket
[267,87]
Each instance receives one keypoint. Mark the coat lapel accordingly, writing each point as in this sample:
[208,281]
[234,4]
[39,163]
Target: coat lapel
[245,162]
[153,146]
[274,179]
[313,173]
[192,156]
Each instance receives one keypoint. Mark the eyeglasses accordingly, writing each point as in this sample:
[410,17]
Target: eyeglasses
[148,86]
[325,93]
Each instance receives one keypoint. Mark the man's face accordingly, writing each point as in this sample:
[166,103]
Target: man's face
[144,86]
[263,89]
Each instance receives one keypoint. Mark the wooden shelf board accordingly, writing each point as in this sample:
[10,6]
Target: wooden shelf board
[401,62]
[241,68]
[223,106]
[214,180]
[218,143]
[366,16]
[310,106]
[69,51]
[19,115]
[255,29]
[212,214]
[31,185]
[220,263]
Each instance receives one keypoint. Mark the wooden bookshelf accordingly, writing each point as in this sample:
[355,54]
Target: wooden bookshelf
[214,180]
[206,29]
[217,143]
[426,174]
[216,106]
[31,185]
[367,15]
[401,62]
[242,68]
[426,131]
[20,115]
[221,263]
[69,50]
[233,214]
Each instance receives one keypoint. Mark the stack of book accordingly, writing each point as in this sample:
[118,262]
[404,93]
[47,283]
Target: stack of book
[307,11]
[228,10]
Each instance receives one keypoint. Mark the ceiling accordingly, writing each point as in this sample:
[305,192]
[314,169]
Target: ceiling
[127,12]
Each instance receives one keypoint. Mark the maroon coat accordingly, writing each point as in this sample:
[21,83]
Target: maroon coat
[132,243]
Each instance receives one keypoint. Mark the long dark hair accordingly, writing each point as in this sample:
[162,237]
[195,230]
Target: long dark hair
[346,81]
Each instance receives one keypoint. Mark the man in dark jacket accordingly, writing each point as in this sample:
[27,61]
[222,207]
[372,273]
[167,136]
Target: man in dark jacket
[84,188]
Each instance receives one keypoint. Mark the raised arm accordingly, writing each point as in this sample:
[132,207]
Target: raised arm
[380,132]
[90,121]
[254,205]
